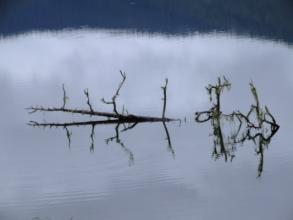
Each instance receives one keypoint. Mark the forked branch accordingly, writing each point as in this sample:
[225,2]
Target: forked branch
[114,97]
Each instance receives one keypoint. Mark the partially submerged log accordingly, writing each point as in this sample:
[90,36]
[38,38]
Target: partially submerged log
[129,121]
[123,117]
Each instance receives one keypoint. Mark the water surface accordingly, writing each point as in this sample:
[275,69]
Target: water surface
[42,177]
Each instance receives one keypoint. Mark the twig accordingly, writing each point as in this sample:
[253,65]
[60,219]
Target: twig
[65,97]
[114,97]
[257,105]
[165,97]
[169,140]
[86,92]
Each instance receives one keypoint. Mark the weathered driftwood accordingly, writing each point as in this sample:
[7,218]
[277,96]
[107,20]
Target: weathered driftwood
[128,121]
[123,117]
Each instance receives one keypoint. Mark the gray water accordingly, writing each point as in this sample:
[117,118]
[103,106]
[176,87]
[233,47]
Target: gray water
[42,177]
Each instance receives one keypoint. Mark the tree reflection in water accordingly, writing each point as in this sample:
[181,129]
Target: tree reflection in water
[257,126]
[123,118]
[116,138]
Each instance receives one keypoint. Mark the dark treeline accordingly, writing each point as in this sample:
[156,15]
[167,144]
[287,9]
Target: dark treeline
[272,19]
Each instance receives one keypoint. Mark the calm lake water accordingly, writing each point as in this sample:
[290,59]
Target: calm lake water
[42,178]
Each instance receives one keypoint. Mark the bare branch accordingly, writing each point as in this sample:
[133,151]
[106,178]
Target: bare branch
[73,111]
[165,97]
[32,110]
[113,102]
[257,106]
[86,92]
[65,97]
[123,117]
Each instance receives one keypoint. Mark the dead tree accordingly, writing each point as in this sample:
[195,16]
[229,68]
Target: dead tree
[129,121]
[122,117]
[264,117]
[246,130]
